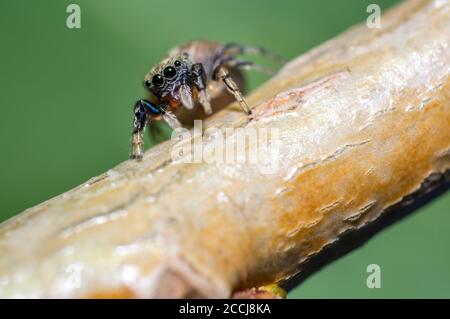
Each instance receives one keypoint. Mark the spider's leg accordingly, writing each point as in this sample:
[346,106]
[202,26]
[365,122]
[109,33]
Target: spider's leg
[199,80]
[143,111]
[139,122]
[236,49]
[222,74]
[170,119]
[249,65]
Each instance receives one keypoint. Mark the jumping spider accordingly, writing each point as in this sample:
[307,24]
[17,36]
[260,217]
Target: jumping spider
[193,73]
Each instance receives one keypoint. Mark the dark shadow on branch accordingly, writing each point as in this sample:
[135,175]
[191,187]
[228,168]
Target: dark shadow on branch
[434,186]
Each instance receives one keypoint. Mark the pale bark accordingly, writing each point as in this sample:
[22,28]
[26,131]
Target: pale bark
[364,124]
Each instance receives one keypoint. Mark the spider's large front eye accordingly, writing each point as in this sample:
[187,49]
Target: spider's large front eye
[169,72]
[157,80]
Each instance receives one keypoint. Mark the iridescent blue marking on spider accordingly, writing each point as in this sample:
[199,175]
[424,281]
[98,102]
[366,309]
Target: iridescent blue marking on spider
[153,108]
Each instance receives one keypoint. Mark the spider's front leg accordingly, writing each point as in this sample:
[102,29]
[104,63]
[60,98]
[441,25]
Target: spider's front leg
[221,73]
[199,81]
[139,123]
[143,110]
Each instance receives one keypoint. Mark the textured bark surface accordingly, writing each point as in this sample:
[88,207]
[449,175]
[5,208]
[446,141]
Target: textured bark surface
[364,121]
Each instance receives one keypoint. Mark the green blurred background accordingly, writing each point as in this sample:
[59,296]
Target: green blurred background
[66,99]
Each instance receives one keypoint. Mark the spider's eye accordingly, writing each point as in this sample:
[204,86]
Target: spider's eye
[177,63]
[157,80]
[147,83]
[170,72]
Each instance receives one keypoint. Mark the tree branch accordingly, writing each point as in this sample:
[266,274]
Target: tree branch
[364,132]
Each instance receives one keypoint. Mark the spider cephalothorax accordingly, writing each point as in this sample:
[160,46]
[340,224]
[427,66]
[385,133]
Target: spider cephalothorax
[192,74]
[171,82]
